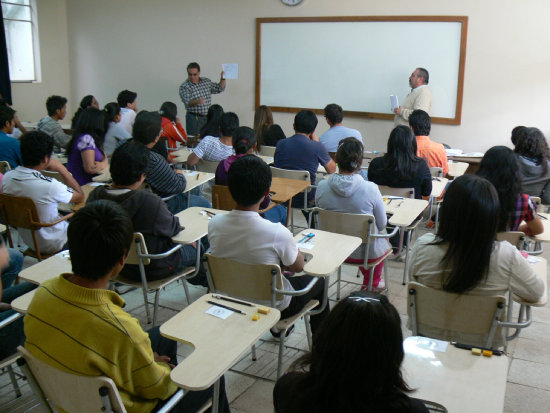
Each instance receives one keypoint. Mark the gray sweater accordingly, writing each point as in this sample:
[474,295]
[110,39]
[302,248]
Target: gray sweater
[533,179]
[51,127]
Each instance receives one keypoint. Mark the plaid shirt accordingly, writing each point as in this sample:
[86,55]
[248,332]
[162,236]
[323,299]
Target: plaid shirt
[525,211]
[203,89]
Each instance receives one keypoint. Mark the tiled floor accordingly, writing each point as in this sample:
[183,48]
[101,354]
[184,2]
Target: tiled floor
[528,387]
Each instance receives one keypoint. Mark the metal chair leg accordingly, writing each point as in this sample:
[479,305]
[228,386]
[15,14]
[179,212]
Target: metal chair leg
[281,349]
[155,310]
[146,306]
[253,351]
[186,288]
[338,283]
[308,332]
[13,380]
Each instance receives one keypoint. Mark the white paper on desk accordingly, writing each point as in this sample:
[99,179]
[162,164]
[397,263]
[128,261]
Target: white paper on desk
[394,102]
[193,173]
[306,245]
[231,70]
[533,260]
[432,344]
[97,184]
[219,312]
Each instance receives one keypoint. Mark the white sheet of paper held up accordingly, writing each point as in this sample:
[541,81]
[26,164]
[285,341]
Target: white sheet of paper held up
[394,102]
[231,70]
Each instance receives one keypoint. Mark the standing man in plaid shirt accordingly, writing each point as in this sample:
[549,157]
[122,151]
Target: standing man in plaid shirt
[196,94]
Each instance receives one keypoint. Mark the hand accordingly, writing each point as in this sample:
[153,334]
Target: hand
[314,137]
[5,307]
[397,111]
[222,75]
[4,257]
[163,359]
[177,119]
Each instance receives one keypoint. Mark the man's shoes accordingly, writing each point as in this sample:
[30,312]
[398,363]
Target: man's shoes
[277,334]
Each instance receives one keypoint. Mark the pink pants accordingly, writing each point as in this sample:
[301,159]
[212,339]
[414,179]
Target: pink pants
[377,271]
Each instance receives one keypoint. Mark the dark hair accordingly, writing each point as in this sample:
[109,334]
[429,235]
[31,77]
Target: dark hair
[169,110]
[468,223]
[4,102]
[361,334]
[99,235]
[423,73]
[532,144]
[54,102]
[305,122]
[500,167]
[194,65]
[126,97]
[111,109]
[516,133]
[229,122]
[420,122]
[6,115]
[244,139]
[334,113]
[128,163]
[349,154]
[90,122]
[213,119]
[146,127]
[248,179]
[263,119]
[401,155]
[84,103]
[35,145]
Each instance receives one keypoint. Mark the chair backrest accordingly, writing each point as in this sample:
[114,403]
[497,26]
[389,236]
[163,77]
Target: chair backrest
[267,150]
[207,166]
[356,225]
[133,254]
[403,192]
[436,171]
[4,167]
[221,198]
[454,317]
[247,281]
[516,238]
[290,174]
[71,392]
[19,211]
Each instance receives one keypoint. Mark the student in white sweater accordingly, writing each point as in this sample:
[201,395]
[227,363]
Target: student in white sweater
[347,191]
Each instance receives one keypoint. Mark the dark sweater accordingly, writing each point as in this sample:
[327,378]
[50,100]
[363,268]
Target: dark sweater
[420,179]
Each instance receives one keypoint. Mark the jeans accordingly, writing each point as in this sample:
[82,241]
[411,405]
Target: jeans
[276,214]
[9,274]
[194,123]
[298,302]
[189,259]
[179,203]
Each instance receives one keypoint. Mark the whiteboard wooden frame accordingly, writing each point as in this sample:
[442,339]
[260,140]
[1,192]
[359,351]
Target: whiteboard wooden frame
[463,20]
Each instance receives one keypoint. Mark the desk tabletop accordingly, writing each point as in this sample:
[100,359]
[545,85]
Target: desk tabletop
[21,303]
[104,176]
[457,169]
[456,379]
[404,210]
[540,266]
[283,188]
[438,186]
[49,268]
[195,223]
[86,189]
[196,178]
[218,344]
[329,251]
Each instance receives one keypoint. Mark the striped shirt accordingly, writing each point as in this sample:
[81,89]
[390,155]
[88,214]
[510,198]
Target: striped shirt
[211,148]
[162,178]
[204,89]
[525,211]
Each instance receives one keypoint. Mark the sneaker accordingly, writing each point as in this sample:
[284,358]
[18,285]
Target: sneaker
[277,334]
[380,287]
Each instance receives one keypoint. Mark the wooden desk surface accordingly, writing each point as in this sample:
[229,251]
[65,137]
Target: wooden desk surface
[86,189]
[404,211]
[456,379]
[545,235]
[21,303]
[285,188]
[195,224]
[457,169]
[104,176]
[49,268]
[181,155]
[329,251]
[196,178]
[438,186]
[541,268]
[218,344]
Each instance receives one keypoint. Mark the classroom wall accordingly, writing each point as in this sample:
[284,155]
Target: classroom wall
[145,45]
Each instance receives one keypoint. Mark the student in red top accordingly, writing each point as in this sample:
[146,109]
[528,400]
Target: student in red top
[432,152]
[172,129]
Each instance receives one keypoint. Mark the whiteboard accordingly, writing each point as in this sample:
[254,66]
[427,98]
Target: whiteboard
[306,63]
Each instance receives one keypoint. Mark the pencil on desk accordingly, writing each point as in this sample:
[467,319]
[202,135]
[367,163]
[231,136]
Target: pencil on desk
[198,176]
[235,310]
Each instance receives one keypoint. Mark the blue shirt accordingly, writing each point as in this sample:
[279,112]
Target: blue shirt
[299,153]
[331,138]
[10,150]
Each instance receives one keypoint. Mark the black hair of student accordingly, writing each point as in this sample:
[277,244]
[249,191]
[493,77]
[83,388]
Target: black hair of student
[420,122]
[6,115]
[146,127]
[229,122]
[401,155]
[350,341]
[334,113]
[516,133]
[213,119]
[244,138]
[111,109]
[263,119]
[349,154]
[194,65]
[86,102]
[499,166]
[54,102]
[99,235]
[305,121]
[468,223]
[423,73]
[90,122]
[128,163]
[532,144]
[126,97]
[169,110]
[4,102]
[35,145]
[248,179]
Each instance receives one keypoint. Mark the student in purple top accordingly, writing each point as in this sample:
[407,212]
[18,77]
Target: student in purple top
[85,150]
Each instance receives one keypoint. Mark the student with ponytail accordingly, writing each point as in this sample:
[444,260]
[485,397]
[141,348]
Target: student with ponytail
[116,135]
[172,128]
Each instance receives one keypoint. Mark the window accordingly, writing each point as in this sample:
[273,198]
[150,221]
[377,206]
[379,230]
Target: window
[21,39]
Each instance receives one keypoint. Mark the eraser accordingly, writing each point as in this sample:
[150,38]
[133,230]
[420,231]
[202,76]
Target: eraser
[476,352]
[264,310]
[487,353]
[256,317]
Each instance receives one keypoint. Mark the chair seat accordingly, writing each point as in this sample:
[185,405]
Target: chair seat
[287,322]
[380,259]
[154,284]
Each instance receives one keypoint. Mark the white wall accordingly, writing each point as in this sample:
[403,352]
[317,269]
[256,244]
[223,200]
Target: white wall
[144,45]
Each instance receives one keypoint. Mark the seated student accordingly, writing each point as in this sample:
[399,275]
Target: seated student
[499,166]
[303,151]
[244,236]
[244,143]
[334,115]
[27,180]
[267,132]
[464,257]
[212,125]
[164,180]
[149,214]
[19,128]
[347,191]
[534,163]
[172,128]
[57,109]
[127,100]
[116,135]
[9,147]
[85,150]
[86,102]
[517,132]
[361,334]
[433,153]
[112,343]
[211,148]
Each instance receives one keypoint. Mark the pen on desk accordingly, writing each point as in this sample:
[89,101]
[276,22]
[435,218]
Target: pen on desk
[235,310]
[306,237]
[210,214]
[310,237]
[221,297]
[542,216]
[467,347]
